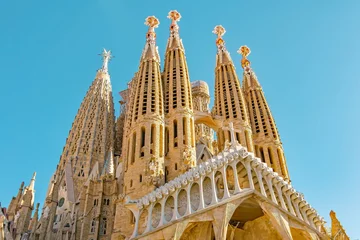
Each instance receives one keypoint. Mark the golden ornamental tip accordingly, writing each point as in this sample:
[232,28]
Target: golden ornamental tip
[244,51]
[174,15]
[152,22]
[219,31]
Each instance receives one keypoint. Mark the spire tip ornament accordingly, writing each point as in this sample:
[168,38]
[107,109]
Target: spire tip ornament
[106,58]
[219,31]
[245,51]
[174,15]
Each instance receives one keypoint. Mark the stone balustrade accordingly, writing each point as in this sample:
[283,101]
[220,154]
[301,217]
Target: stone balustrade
[230,174]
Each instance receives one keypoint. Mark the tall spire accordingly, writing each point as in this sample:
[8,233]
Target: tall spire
[179,132]
[143,153]
[150,50]
[229,100]
[265,134]
[92,133]
[32,182]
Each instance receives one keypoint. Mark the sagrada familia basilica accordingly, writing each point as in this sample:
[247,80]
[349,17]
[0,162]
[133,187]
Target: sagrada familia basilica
[156,172]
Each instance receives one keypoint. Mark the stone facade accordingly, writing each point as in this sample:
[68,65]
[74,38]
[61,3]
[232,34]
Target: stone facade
[158,173]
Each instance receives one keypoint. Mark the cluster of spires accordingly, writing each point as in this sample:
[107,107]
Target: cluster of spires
[152,22]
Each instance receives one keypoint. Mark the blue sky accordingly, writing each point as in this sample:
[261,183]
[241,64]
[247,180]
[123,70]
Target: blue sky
[306,55]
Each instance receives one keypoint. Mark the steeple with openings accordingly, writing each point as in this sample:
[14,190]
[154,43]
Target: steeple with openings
[229,101]
[144,137]
[266,138]
[179,132]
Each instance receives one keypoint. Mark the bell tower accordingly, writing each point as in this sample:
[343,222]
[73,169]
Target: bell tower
[266,137]
[144,169]
[229,100]
[179,132]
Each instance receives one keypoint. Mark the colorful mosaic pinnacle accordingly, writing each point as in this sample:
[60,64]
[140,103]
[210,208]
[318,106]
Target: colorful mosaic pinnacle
[174,15]
[244,51]
[219,31]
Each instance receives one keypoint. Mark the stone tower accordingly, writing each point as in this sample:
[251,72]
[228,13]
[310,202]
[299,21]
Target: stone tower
[229,100]
[179,132]
[204,135]
[92,134]
[266,138]
[144,138]
[88,146]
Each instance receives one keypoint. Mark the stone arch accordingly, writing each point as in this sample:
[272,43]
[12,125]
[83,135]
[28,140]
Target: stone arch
[168,210]
[143,220]
[182,202]
[242,175]
[208,193]
[195,196]
[255,180]
[219,185]
[198,230]
[266,187]
[156,215]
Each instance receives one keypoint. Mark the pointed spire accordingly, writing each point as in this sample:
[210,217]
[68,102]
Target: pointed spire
[106,58]
[150,51]
[250,78]
[174,39]
[32,182]
[223,56]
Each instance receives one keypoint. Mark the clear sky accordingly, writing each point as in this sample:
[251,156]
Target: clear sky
[306,55]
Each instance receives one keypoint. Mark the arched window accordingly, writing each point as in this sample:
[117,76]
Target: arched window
[270,156]
[184,131]
[262,154]
[131,183]
[161,141]
[142,142]
[103,226]
[175,133]
[140,178]
[133,147]
[92,226]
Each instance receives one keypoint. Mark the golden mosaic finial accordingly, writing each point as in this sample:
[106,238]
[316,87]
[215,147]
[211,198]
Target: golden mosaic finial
[152,22]
[244,51]
[219,31]
[174,16]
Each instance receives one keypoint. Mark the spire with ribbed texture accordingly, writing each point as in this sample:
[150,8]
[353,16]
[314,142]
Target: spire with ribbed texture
[180,133]
[266,138]
[144,137]
[92,133]
[229,101]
